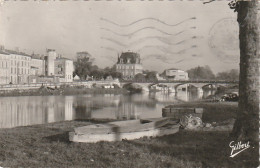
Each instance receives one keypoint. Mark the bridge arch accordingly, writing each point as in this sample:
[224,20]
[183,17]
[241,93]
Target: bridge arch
[196,85]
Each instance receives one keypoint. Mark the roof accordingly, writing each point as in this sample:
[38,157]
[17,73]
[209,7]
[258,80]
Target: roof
[176,69]
[63,58]
[37,58]
[173,69]
[17,53]
[50,50]
[83,52]
[3,52]
[129,55]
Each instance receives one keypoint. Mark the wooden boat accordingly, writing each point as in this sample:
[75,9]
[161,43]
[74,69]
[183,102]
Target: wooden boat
[130,129]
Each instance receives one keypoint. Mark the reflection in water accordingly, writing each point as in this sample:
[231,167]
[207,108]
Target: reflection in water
[31,110]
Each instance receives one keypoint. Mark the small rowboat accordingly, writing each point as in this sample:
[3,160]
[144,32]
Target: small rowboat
[130,129]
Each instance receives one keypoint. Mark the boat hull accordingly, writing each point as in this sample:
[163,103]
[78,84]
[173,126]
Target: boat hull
[92,138]
[123,126]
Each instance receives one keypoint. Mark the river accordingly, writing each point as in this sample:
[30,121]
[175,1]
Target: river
[31,110]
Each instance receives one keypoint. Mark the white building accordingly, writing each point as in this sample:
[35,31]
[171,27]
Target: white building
[4,67]
[176,74]
[20,68]
[20,65]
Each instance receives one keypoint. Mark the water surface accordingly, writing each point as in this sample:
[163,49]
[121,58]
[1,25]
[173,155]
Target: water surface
[31,110]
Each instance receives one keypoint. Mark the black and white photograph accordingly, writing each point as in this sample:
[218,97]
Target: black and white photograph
[129,83]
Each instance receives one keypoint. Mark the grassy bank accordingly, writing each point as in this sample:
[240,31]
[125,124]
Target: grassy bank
[48,146]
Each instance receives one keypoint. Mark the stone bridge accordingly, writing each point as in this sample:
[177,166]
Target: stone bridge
[176,84]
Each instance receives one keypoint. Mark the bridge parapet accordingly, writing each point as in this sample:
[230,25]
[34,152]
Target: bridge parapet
[185,81]
[176,84]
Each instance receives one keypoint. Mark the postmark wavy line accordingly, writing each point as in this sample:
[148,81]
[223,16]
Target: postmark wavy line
[161,48]
[162,58]
[160,38]
[143,19]
[109,48]
[157,56]
[149,27]
[165,50]
[141,40]
[133,33]
[114,41]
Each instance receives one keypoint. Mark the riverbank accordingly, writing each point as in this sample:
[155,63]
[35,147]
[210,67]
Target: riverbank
[221,92]
[75,90]
[47,145]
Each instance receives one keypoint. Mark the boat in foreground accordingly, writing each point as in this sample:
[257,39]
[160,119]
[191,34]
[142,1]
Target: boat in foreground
[119,130]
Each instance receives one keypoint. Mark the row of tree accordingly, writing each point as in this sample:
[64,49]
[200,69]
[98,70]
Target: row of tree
[205,73]
[85,69]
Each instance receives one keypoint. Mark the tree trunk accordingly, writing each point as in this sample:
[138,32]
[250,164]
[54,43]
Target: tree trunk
[246,127]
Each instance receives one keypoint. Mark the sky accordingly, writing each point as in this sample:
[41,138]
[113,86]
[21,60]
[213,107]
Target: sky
[167,34]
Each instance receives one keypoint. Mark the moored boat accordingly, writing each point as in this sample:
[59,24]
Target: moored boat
[130,129]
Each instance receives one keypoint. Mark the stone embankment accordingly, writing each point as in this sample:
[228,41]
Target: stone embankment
[62,89]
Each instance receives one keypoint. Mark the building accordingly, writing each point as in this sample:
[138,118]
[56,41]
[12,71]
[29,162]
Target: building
[38,65]
[20,65]
[159,78]
[176,74]
[49,62]
[64,68]
[57,67]
[4,67]
[129,64]
[20,68]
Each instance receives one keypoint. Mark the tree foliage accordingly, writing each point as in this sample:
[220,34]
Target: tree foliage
[83,68]
[201,73]
[139,77]
[151,76]
[111,71]
[232,75]
[97,74]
